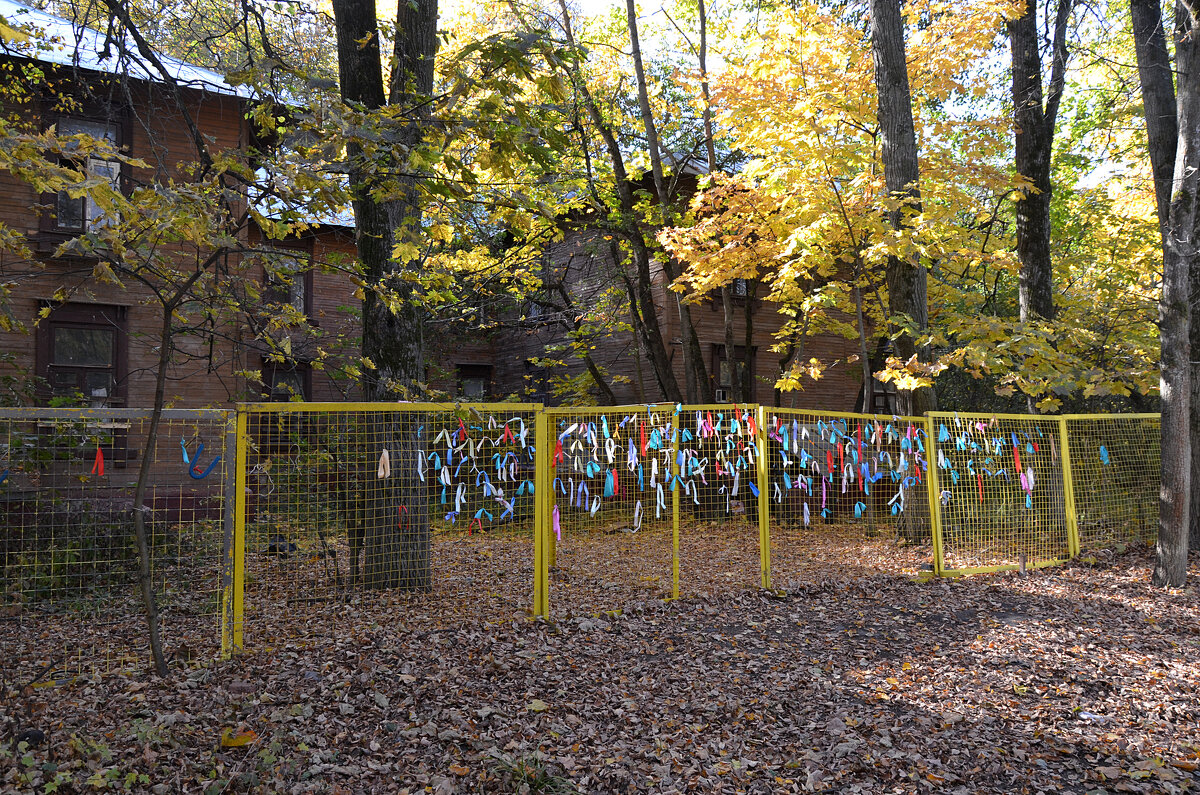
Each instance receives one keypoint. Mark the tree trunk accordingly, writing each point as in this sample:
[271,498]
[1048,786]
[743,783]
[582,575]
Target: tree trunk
[640,288]
[145,579]
[1034,144]
[1179,260]
[735,381]
[906,277]
[641,302]
[699,386]
[751,363]
[793,352]
[1162,132]
[397,552]
[1158,98]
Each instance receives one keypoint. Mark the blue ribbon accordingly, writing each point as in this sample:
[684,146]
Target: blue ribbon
[188,461]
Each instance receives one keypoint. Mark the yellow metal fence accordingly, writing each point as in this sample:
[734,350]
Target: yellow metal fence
[69,599]
[300,520]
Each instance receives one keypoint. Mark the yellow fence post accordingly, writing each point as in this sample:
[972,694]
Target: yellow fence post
[674,504]
[935,496]
[543,485]
[764,503]
[1068,489]
[234,599]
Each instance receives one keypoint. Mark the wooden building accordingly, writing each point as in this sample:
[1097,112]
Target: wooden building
[581,274]
[96,340]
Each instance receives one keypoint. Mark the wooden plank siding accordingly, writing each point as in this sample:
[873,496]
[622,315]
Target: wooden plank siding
[585,259]
[157,134]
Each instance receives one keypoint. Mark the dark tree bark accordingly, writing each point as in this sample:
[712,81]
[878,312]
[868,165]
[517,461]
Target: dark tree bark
[735,382]
[699,385]
[1162,132]
[906,277]
[1034,143]
[1158,98]
[751,362]
[397,553]
[1180,256]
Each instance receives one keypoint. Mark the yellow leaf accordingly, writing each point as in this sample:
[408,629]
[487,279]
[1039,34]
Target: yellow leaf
[231,740]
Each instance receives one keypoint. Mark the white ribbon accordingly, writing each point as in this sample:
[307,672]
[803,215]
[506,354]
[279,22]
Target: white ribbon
[385,466]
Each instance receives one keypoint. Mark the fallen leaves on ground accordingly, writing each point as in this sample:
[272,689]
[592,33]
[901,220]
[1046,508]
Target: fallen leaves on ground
[1082,678]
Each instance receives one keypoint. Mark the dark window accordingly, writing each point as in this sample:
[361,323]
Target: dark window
[81,214]
[287,277]
[81,352]
[287,381]
[740,288]
[474,381]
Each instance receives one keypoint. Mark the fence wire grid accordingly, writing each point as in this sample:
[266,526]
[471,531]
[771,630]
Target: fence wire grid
[289,523]
[833,475]
[69,595]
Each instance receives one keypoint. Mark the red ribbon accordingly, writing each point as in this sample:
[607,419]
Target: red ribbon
[98,467]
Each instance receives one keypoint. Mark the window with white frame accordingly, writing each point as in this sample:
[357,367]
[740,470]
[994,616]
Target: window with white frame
[82,213]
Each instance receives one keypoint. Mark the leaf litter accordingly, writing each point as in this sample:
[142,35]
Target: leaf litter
[1082,678]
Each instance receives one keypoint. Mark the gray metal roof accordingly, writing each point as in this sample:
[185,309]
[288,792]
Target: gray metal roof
[60,41]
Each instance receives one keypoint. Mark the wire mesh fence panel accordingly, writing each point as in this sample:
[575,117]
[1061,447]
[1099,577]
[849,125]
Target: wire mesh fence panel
[611,512]
[70,602]
[378,507]
[1115,468]
[842,490]
[1001,494]
[718,495]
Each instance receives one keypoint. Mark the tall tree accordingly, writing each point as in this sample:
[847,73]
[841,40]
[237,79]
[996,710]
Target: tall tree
[906,277]
[1034,117]
[387,213]
[1181,262]
[639,283]
[1162,132]
[1158,98]
[699,386]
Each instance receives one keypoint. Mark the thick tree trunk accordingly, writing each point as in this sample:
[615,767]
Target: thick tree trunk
[1034,143]
[1174,311]
[906,277]
[1162,133]
[397,551]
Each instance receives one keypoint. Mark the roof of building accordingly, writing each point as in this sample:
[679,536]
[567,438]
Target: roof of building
[60,41]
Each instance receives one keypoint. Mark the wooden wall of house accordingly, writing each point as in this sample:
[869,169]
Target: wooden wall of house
[207,373]
[626,363]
